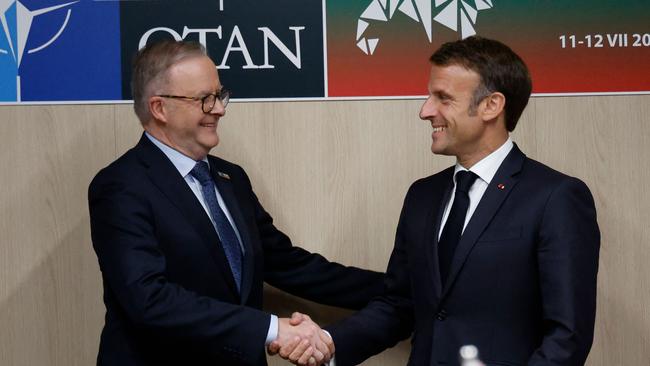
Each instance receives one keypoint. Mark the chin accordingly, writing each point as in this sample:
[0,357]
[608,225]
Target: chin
[213,138]
[209,144]
[439,150]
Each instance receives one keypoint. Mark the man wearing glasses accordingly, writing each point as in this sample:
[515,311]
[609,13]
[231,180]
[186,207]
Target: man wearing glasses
[183,244]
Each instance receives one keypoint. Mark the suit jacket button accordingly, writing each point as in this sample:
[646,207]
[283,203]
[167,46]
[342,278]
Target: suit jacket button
[442,315]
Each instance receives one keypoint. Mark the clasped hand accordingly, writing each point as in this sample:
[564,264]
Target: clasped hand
[301,341]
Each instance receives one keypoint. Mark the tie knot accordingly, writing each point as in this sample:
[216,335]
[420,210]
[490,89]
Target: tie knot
[201,172]
[464,180]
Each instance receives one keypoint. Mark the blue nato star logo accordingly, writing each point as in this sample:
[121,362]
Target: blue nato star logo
[457,15]
[17,20]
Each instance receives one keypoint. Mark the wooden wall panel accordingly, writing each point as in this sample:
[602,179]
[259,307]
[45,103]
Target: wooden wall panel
[50,311]
[606,142]
[332,174]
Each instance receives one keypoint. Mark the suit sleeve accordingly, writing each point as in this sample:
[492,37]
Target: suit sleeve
[310,275]
[569,241]
[388,319]
[133,268]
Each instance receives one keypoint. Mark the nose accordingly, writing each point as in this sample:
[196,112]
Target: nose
[428,109]
[218,109]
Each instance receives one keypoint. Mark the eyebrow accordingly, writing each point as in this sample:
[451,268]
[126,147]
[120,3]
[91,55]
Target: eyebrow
[206,92]
[441,93]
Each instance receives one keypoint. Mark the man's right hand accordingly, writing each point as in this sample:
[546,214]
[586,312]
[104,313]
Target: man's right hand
[301,341]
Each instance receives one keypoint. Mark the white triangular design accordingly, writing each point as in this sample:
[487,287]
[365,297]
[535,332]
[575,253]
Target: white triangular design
[375,12]
[467,29]
[361,27]
[362,44]
[421,12]
[393,7]
[372,44]
[408,9]
[24,19]
[470,11]
[449,16]
[482,5]
[424,9]
[51,8]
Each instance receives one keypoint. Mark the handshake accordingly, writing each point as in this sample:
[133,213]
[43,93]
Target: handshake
[301,341]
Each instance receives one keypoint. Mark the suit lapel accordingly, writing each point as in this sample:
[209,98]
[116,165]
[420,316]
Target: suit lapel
[499,188]
[223,180]
[164,175]
[435,217]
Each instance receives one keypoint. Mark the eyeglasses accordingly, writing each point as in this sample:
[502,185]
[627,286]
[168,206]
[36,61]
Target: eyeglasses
[208,101]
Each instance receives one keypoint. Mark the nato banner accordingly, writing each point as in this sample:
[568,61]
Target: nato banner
[81,51]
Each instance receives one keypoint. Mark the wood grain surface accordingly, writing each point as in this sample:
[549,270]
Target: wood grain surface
[332,174]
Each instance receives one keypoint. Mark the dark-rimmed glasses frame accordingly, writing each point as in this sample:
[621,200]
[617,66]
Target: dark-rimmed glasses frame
[207,102]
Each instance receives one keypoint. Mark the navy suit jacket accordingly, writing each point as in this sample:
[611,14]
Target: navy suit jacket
[522,283]
[170,295]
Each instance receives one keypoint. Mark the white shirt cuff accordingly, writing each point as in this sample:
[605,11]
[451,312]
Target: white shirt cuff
[333,360]
[273,330]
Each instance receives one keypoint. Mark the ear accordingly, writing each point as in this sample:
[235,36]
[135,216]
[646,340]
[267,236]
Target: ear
[157,108]
[493,105]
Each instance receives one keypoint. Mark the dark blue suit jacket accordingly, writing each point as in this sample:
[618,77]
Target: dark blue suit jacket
[522,283]
[169,292]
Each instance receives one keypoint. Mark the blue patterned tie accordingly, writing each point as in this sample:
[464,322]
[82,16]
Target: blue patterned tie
[455,221]
[229,240]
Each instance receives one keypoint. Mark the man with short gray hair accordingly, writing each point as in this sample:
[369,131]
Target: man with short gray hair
[183,243]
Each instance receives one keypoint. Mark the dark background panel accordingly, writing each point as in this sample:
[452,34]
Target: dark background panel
[285,80]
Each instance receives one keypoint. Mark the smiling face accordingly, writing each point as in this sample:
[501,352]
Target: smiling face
[181,123]
[459,128]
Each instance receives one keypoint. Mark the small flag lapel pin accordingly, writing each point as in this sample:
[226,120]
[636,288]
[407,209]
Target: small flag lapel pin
[223,175]
[501,186]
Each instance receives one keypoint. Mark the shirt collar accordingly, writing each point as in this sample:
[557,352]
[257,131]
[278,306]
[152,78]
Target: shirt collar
[183,163]
[488,166]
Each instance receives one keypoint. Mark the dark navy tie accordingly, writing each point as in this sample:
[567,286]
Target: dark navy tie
[455,221]
[229,240]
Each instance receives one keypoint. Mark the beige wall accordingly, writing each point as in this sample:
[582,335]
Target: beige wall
[333,174]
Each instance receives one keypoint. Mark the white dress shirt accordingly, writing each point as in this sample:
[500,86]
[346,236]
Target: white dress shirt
[184,164]
[485,170]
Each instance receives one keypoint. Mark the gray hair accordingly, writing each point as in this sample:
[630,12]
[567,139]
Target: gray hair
[150,66]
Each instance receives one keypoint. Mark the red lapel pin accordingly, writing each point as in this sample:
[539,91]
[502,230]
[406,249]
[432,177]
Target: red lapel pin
[501,186]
